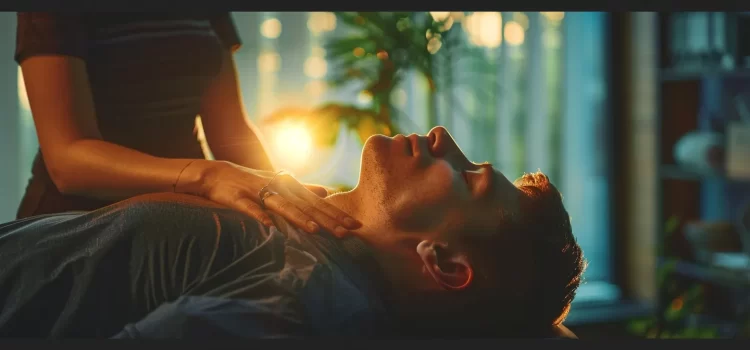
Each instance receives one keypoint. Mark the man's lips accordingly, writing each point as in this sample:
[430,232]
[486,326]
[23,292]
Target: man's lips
[414,144]
[408,147]
[411,144]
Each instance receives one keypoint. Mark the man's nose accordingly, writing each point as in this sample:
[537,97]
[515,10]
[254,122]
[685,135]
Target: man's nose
[438,130]
[439,141]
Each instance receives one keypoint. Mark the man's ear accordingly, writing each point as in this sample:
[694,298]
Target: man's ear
[449,268]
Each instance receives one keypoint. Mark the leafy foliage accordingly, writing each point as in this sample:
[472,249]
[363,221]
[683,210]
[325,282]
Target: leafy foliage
[377,50]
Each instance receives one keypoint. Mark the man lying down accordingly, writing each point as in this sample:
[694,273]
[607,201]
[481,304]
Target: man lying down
[448,248]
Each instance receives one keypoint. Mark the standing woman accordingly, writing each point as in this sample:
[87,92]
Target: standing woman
[114,98]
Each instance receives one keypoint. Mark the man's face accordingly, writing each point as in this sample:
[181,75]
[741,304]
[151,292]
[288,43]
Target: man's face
[427,185]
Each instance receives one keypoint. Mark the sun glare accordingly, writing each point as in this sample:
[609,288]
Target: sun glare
[293,145]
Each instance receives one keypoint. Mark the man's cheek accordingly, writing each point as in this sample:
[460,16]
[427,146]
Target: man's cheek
[439,178]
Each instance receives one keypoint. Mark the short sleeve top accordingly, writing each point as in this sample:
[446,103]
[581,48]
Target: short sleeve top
[147,71]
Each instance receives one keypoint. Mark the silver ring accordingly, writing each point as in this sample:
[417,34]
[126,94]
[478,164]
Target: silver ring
[265,193]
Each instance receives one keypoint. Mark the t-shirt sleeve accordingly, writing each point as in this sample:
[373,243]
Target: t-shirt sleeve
[224,27]
[43,33]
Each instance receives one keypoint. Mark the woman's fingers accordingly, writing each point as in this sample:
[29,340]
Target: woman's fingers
[249,207]
[320,191]
[336,221]
[284,207]
[317,203]
[308,208]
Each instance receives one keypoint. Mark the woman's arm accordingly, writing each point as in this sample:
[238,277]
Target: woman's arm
[229,133]
[78,160]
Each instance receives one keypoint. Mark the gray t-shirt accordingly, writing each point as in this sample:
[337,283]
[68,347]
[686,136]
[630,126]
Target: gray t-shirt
[94,274]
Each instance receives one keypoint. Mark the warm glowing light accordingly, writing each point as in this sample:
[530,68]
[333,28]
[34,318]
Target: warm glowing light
[269,62]
[293,144]
[440,16]
[522,19]
[364,98]
[514,33]
[448,24]
[554,16]
[484,28]
[458,16]
[271,28]
[434,45]
[359,52]
[23,97]
[316,67]
[445,17]
[321,22]
[316,88]
[318,51]
[470,27]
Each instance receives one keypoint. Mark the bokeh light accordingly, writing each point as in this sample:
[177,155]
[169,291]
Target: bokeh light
[485,28]
[434,45]
[554,16]
[271,28]
[315,67]
[318,51]
[316,88]
[443,16]
[522,19]
[439,16]
[364,98]
[292,144]
[321,22]
[269,62]
[514,33]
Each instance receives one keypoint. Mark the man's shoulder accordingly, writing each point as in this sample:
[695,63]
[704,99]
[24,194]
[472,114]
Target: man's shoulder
[337,293]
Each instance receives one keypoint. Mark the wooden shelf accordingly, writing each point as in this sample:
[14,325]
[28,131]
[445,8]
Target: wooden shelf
[687,75]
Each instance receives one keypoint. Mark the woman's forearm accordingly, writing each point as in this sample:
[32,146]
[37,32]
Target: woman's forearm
[244,148]
[102,170]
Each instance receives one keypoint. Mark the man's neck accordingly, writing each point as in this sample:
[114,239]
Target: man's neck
[393,252]
[365,209]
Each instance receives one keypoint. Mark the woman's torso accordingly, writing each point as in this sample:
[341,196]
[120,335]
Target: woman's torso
[147,74]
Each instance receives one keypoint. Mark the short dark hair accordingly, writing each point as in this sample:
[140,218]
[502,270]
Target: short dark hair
[558,263]
[526,272]
[512,295]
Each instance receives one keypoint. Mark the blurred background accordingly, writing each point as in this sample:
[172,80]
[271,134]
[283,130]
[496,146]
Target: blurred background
[640,119]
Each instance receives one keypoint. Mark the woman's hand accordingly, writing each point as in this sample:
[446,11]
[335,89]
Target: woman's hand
[321,191]
[238,188]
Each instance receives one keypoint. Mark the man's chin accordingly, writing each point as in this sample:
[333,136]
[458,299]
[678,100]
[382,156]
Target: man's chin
[377,143]
[375,154]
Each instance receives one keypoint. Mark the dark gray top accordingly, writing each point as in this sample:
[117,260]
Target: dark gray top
[91,274]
